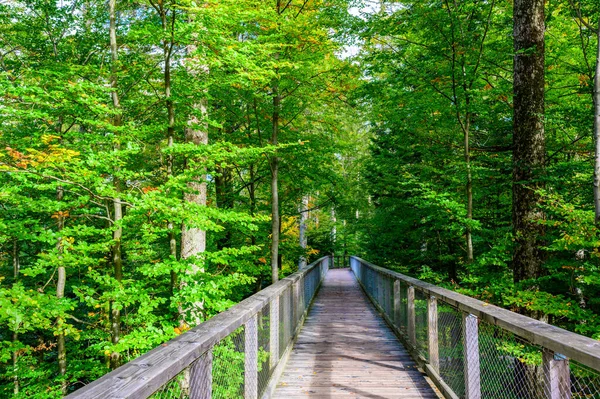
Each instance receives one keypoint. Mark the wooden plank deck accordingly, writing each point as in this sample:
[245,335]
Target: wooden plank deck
[345,350]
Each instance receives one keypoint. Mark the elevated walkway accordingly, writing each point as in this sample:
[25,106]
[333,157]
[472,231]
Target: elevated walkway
[346,350]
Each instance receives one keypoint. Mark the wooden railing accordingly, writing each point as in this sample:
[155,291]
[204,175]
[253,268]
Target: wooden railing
[237,353]
[473,350]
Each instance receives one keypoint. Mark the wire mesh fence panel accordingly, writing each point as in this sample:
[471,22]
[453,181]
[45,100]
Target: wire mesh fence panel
[403,309]
[283,321]
[584,382]
[228,366]
[291,314]
[389,297]
[177,388]
[264,348]
[421,331]
[308,287]
[451,350]
[511,368]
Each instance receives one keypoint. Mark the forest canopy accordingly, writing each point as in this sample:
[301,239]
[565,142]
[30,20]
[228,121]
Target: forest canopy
[161,160]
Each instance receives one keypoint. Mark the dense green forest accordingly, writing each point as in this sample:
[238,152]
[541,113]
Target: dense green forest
[160,160]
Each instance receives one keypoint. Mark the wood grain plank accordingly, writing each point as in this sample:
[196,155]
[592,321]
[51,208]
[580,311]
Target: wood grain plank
[346,350]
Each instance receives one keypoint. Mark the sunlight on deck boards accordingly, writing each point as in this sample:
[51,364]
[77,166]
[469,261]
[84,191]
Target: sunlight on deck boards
[345,350]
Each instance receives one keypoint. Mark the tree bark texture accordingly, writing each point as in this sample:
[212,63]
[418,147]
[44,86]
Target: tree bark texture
[597,132]
[117,258]
[170,108]
[274,189]
[469,189]
[15,336]
[60,293]
[193,239]
[302,231]
[529,149]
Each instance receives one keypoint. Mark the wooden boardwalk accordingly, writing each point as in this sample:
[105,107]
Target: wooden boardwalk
[345,350]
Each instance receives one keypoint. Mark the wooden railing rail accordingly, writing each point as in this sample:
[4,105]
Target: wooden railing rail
[260,330]
[474,349]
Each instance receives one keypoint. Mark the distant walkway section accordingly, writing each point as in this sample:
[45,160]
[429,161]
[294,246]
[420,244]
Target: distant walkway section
[346,350]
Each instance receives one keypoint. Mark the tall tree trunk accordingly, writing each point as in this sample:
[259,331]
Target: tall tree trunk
[333,229]
[168,31]
[302,231]
[275,222]
[117,258]
[252,198]
[193,239]
[16,260]
[597,132]
[15,335]
[469,187]
[529,150]
[60,294]
[224,199]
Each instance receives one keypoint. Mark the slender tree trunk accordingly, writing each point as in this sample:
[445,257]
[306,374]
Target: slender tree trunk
[15,336]
[16,261]
[117,258]
[469,188]
[224,199]
[333,229]
[252,198]
[597,132]
[118,271]
[529,150]
[302,231]
[170,107]
[275,222]
[60,294]
[193,239]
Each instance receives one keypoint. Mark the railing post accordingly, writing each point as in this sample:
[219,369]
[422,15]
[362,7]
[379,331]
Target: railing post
[201,377]
[412,333]
[397,303]
[274,332]
[471,356]
[432,328]
[251,361]
[557,375]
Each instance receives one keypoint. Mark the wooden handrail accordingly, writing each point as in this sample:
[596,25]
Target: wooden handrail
[574,346]
[146,374]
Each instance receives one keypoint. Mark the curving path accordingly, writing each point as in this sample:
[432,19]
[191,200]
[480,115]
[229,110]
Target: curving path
[346,350]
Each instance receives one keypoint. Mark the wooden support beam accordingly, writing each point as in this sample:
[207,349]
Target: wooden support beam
[251,359]
[201,377]
[432,328]
[471,356]
[274,332]
[557,375]
[412,332]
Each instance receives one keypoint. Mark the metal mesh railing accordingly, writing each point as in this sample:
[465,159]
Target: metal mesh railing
[450,346]
[474,350]
[236,354]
